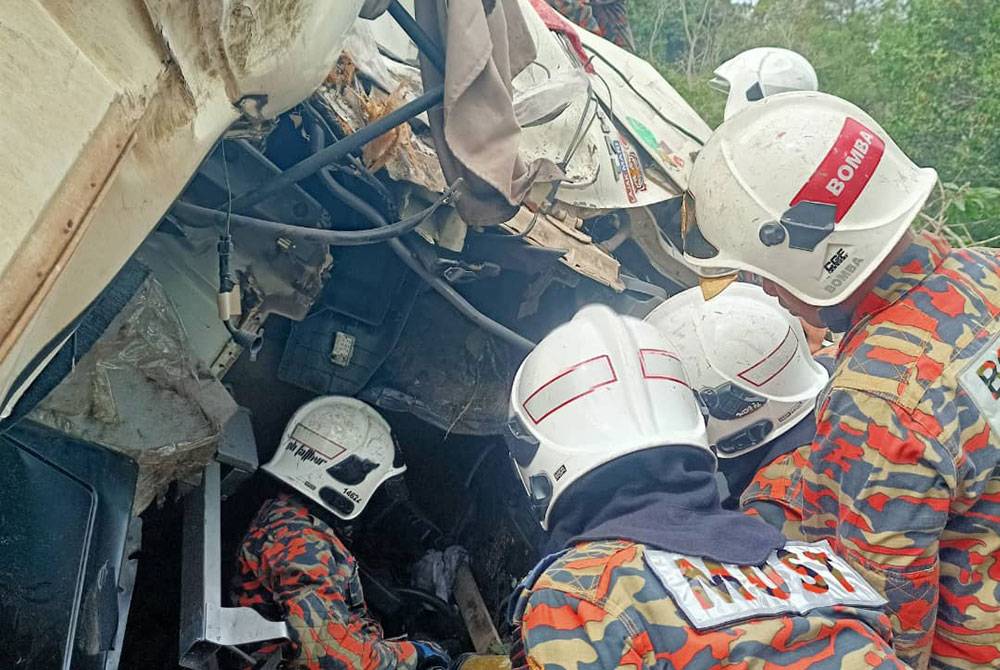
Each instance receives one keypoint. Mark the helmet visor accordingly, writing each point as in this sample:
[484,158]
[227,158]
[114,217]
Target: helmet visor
[695,244]
[745,439]
[521,444]
[719,83]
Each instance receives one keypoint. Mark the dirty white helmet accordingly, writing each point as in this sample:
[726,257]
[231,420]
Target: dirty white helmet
[748,360]
[804,189]
[595,389]
[336,451]
[757,73]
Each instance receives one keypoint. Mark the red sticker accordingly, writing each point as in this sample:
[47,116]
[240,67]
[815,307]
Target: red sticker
[845,171]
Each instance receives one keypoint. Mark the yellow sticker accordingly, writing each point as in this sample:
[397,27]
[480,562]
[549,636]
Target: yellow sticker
[713,286]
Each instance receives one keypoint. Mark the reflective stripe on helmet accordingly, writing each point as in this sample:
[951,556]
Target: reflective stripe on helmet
[660,364]
[695,244]
[305,436]
[771,365]
[571,384]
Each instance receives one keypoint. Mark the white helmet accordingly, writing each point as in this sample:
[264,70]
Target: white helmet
[804,189]
[755,74]
[336,451]
[748,360]
[595,389]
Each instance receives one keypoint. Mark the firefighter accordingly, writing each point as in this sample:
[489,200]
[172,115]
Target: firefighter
[336,452]
[757,73]
[903,474]
[610,446]
[749,363]
[754,74]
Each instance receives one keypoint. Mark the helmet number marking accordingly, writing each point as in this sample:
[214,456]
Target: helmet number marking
[572,384]
[845,170]
[770,366]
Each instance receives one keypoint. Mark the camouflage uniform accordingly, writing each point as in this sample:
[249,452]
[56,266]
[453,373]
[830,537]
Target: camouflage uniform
[602,605]
[903,474]
[607,18]
[292,567]
[774,494]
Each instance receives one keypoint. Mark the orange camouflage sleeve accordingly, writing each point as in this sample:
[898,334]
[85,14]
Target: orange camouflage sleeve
[560,631]
[881,486]
[775,493]
[313,579]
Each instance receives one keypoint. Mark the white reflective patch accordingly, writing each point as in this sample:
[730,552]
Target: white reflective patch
[771,365]
[981,380]
[569,385]
[310,439]
[660,364]
[795,579]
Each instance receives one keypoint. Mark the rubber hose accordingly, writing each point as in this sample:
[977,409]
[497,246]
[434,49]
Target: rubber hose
[446,290]
[338,238]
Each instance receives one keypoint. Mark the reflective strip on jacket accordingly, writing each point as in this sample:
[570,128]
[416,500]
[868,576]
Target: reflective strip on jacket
[601,606]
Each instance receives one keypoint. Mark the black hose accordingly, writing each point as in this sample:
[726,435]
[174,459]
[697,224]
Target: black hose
[444,289]
[339,149]
[317,140]
[354,201]
[458,302]
[318,117]
[338,238]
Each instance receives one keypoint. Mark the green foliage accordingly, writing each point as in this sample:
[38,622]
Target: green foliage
[938,74]
[928,70]
[972,213]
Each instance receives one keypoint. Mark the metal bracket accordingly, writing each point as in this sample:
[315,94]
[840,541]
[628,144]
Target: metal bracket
[205,624]
[126,586]
[237,448]
[460,272]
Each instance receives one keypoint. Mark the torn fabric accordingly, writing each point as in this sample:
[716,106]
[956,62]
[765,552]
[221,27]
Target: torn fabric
[475,131]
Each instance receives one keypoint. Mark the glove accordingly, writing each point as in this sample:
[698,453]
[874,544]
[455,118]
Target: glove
[430,655]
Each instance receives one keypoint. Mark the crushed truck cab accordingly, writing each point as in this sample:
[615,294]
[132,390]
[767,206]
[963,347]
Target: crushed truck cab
[216,211]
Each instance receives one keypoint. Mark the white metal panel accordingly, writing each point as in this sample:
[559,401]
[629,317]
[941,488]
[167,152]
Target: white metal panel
[111,108]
